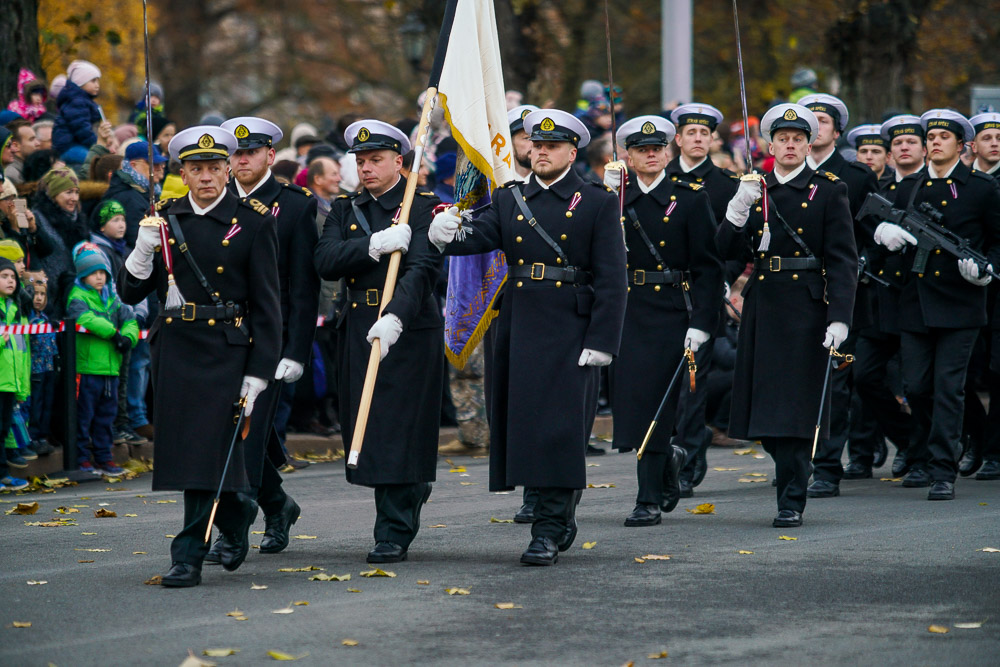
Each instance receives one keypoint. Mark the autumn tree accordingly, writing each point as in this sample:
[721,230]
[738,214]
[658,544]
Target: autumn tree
[18,43]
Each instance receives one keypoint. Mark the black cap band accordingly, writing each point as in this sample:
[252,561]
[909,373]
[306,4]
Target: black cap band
[828,109]
[988,125]
[947,124]
[906,129]
[553,132]
[656,138]
[365,141]
[870,140]
[697,119]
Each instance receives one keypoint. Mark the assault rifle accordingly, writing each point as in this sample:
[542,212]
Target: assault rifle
[925,224]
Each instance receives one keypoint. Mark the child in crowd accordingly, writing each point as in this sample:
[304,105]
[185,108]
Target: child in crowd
[111,330]
[44,355]
[10,249]
[73,133]
[15,370]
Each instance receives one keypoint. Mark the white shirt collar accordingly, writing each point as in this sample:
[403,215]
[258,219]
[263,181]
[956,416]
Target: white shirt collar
[933,174]
[202,211]
[784,179]
[900,176]
[686,169]
[398,177]
[244,193]
[815,165]
[995,169]
[561,176]
[646,189]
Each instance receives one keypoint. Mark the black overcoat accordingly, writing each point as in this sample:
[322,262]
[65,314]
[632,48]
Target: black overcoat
[889,267]
[198,367]
[543,403]
[677,219]
[780,360]
[401,437]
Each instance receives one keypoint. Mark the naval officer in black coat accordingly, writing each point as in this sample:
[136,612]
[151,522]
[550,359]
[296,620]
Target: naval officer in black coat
[797,303]
[399,455]
[675,289]
[222,344]
[560,320]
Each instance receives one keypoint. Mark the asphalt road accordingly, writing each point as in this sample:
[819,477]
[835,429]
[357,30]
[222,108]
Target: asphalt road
[867,576]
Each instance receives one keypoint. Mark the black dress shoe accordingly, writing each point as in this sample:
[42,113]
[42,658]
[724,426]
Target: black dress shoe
[526,514]
[276,527]
[643,515]
[787,519]
[899,464]
[214,555]
[917,478]
[541,551]
[595,451]
[686,490]
[969,463]
[236,547]
[182,575]
[881,453]
[387,552]
[856,470]
[821,489]
[989,471]
[941,491]
[671,479]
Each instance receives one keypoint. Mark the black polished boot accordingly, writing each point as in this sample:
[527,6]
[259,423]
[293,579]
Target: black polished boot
[672,490]
[643,515]
[541,551]
[182,575]
[277,525]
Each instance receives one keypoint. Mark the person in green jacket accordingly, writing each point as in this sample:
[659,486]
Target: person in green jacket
[15,368]
[111,329]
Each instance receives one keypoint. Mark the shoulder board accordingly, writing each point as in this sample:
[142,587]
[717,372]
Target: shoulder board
[164,203]
[297,188]
[257,206]
[689,186]
[511,183]
[829,175]
[427,194]
[730,174]
[982,174]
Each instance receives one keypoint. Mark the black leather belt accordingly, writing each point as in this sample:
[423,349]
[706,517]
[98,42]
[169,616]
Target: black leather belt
[190,312]
[640,277]
[776,264]
[368,297]
[538,271]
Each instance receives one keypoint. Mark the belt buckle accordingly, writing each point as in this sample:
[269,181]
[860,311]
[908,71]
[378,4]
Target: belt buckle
[636,277]
[368,297]
[774,264]
[184,312]
[541,271]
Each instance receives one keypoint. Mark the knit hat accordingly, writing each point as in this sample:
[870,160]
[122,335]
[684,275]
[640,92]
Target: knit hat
[156,90]
[82,71]
[7,264]
[108,210]
[159,122]
[58,83]
[87,258]
[58,180]
[7,189]
[11,249]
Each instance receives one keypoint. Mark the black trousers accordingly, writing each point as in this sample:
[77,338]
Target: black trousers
[991,446]
[235,510]
[397,512]
[270,496]
[650,470]
[554,512]
[529,496]
[791,470]
[826,464]
[878,413]
[974,421]
[935,364]
[691,408]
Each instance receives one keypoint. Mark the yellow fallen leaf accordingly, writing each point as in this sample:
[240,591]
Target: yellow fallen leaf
[170,536]
[378,572]
[983,504]
[66,510]
[81,505]
[330,577]
[704,508]
[787,538]
[457,591]
[255,587]
[593,465]
[589,545]
[103,513]
[51,524]
[235,612]
[161,502]
[84,561]
[22,624]
[458,469]
[305,537]
[759,456]
[507,605]
[131,515]
[656,557]
[307,568]
[99,551]
[300,603]
[220,652]
[423,582]
[155,580]
[493,519]
[755,474]
[743,552]
[37,583]
[138,553]
[989,550]
[657,656]
[278,655]
[726,469]
[937,629]
[438,525]
[969,626]
[468,483]
[750,480]
[640,560]
[353,590]
[744,452]
[284,610]
[890,479]
[349,642]
[240,618]
[88,533]
[23,508]
[140,496]
[600,486]
[194,661]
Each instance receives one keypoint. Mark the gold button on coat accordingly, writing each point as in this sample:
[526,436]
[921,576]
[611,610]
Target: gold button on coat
[219,269]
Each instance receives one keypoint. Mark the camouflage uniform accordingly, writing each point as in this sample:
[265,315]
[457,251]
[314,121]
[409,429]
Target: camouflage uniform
[467,392]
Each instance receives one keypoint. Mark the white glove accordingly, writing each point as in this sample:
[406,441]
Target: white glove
[726,291]
[836,333]
[594,358]
[387,329]
[251,390]
[893,237]
[613,178]
[140,261]
[694,338]
[970,271]
[389,241]
[288,370]
[739,206]
[444,227]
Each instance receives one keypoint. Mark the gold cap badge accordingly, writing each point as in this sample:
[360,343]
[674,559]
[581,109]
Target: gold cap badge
[547,125]
[242,132]
[206,141]
[648,127]
[364,134]
[791,115]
